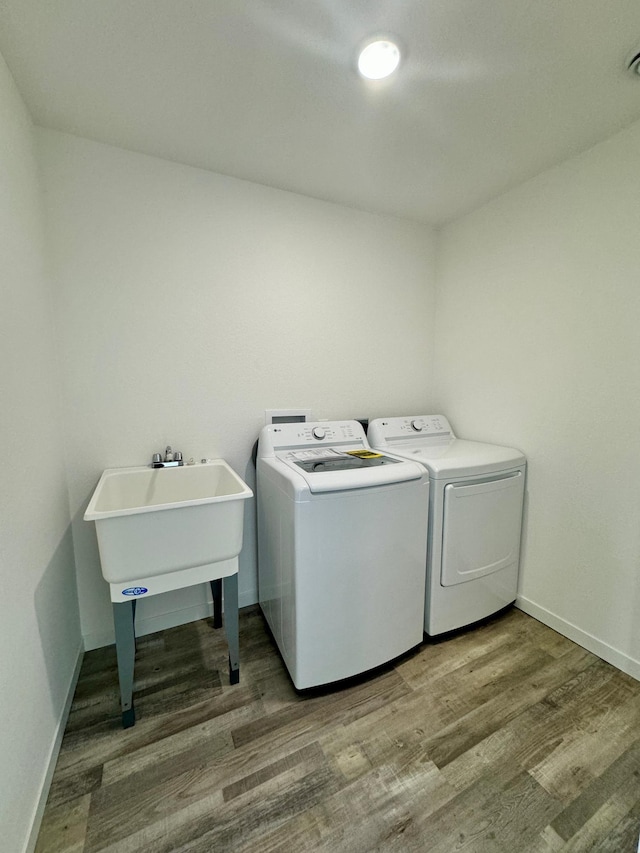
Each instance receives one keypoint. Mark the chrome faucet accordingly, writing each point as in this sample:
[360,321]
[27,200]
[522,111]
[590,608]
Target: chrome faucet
[172,459]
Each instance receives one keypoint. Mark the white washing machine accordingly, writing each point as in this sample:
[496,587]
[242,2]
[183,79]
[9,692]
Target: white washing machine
[475,517]
[341,549]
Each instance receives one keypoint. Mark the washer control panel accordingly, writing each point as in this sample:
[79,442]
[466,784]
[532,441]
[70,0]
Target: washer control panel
[317,434]
[432,427]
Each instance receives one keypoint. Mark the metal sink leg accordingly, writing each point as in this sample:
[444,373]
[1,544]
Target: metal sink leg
[124,614]
[216,593]
[231,626]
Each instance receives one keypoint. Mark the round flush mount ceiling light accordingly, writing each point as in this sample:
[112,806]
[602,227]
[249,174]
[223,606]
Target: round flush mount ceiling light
[378,59]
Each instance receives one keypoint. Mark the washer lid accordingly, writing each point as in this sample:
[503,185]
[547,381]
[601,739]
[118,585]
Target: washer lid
[328,470]
[333,461]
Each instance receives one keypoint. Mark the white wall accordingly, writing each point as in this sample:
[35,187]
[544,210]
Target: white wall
[41,640]
[538,346]
[188,303]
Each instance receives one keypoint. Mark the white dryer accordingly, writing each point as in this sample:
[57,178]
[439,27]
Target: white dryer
[475,517]
[341,549]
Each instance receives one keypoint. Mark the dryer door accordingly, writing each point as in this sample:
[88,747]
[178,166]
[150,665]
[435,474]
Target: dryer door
[481,527]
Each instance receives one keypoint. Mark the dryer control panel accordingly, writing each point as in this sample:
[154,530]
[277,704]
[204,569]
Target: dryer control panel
[433,427]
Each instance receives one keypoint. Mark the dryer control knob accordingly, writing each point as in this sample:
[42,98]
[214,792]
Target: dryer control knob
[417,426]
[318,433]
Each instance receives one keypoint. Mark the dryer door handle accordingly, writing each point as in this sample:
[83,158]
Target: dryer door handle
[488,485]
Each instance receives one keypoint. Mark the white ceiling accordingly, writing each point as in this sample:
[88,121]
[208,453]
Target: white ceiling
[490,92]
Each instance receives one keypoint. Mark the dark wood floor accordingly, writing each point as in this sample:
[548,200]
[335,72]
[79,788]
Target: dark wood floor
[505,738]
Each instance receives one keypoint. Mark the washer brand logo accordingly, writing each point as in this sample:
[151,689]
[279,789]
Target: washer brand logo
[135,590]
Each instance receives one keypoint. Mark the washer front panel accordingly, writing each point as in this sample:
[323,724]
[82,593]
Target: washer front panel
[341,554]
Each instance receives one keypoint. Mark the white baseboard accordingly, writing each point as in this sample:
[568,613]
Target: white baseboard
[168,619]
[53,755]
[592,644]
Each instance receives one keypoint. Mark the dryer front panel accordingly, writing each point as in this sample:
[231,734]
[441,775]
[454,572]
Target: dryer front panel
[481,527]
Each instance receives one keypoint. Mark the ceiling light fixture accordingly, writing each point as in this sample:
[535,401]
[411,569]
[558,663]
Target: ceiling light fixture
[378,59]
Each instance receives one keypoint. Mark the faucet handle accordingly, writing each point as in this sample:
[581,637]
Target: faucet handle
[170,459]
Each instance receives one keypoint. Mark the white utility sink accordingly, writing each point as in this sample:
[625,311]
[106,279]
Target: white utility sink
[151,521]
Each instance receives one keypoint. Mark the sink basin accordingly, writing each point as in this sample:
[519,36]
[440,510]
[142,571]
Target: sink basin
[151,521]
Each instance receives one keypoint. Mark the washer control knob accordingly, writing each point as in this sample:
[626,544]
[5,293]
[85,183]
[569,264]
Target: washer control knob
[416,425]
[318,433]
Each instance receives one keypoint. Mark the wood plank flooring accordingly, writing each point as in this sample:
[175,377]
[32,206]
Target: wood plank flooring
[507,738]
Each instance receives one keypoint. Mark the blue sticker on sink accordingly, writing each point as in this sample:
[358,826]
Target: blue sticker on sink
[135,590]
